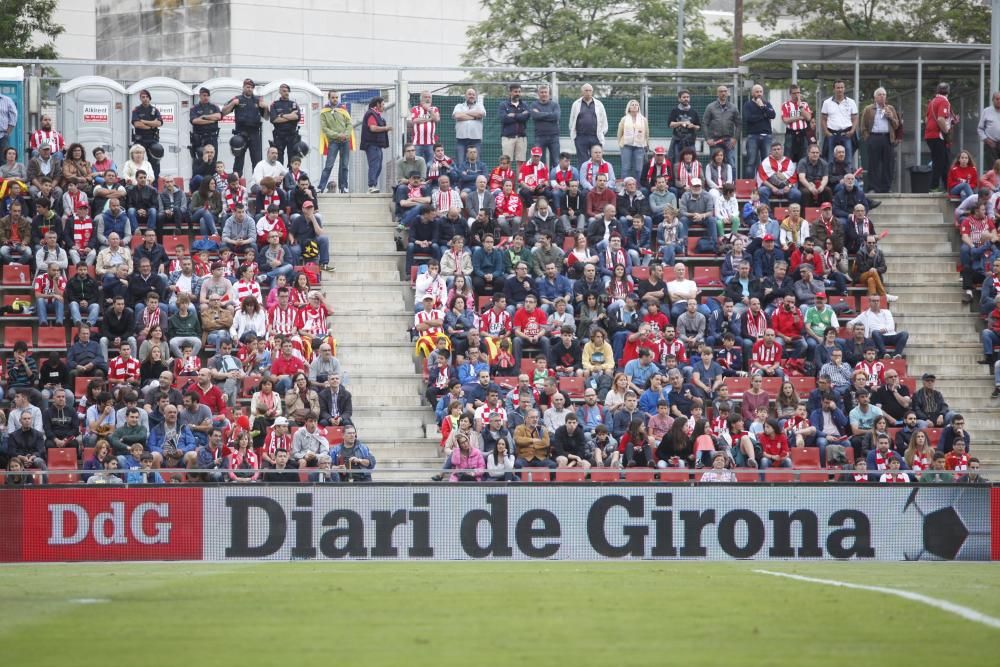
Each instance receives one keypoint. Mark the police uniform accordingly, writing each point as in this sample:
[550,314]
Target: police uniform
[286,135]
[147,138]
[204,135]
[247,115]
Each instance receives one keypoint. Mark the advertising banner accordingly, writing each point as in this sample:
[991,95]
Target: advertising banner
[531,521]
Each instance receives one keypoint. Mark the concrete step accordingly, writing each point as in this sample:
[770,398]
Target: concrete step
[386,429]
[351,224]
[934,291]
[923,305]
[365,276]
[404,386]
[935,245]
[351,333]
[362,232]
[377,300]
[389,404]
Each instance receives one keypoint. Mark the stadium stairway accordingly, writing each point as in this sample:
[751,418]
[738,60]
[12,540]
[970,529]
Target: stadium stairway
[372,312]
[921,255]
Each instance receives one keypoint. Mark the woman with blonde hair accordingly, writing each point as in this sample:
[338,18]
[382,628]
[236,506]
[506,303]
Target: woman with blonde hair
[919,453]
[137,160]
[633,138]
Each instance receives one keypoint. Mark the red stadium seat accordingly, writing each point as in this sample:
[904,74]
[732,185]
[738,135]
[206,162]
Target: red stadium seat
[17,275]
[528,367]
[571,475]
[484,302]
[53,338]
[771,385]
[12,335]
[80,385]
[568,244]
[836,300]
[640,272]
[708,276]
[747,476]
[413,275]
[250,384]
[737,385]
[171,242]
[780,213]
[811,213]
[572,387]
[934,435]
[675,475]
[639,474]
[744,186]
[778,475]
[604,475]
[803,384]
[335,435]
[898,365]
[536,474]
[9,299]
[62,458]
[808,457]
[911,384]
[692,244]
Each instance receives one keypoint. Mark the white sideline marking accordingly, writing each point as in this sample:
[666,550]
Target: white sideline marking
[89,600]
[951,607]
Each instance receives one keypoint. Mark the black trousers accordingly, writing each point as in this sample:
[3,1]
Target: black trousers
[941,162]
[253,148]
[880,163]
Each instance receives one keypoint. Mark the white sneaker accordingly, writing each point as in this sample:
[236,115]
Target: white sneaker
[891,298]
[372,191]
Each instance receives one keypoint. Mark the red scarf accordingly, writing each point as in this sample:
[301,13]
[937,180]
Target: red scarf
[756,325]
[591,177]
[657,170]
[898,478]
[860,477]
[882,463]
[920,462]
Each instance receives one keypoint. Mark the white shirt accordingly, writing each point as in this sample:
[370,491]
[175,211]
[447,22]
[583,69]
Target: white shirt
[881,321]
[684,289]
[262,169]
[838,115]
[469,129]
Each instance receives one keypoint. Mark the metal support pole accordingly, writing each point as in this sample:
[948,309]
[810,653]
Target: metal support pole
[857,78]
[995,48]
[644,98]
[680,33]
[982,101]
[918,112]
[795,71]
[402,107]
[554,83]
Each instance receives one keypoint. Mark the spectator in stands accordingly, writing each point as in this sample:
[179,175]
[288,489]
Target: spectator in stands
[633,139]
[183,326]
[757,116]
[61,422]
[848,196]
[869,267]
[301,402]
[11,168]
[824,228]
[141,202]
[879,125]
[880,326]
[814,178]
[26,443]
[963,178]
[50,253]
[776,177]
[335,403]
[353,458]
[45,165]
[15,236]
[114,254]
[50,289]
[979,235]
[929,404]
[85,357]
[863,418]
[117,325]
[374,139]
[239,231]
[721,123]
[532,444]
[124,369]
[893,398]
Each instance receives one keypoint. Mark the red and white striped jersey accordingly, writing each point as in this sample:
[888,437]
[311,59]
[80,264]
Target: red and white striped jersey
[244,288]
[484,412]
[285,322]
[875,372]
[187,366]
[428,315]
[717,426]
[83,229]
[955,462]
[676,348]
[119,370]
[894,478]
[532,174]
[54,138]
[273,442]
[443,201]
[764,354]
[769,167]
[756,324]
[45,285]
[975,229]
[497,324]
[685,172]
[266,226]
[314,320]
[151,318]
[795,422]
[424,134]
[789,109]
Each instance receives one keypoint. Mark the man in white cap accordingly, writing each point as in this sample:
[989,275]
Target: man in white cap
[696,205]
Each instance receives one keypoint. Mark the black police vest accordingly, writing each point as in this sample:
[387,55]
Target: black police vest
[282,107]
[200,110]
[247,113]
[145,113]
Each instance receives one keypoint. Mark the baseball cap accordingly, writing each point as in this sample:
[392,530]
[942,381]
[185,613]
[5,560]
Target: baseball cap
[768,237]
[44,144]
[928,376]
[820,295]
[427,296]
[825,204]
[536,150]
[660,150]
[281,421]
[308,204]
[695,181]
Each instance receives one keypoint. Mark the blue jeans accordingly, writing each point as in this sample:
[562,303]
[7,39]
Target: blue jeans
[283,270]
[463,148]
[411,250]
[150,219]
[7,252]
[218,337]
[426,151]
[988,338]
[374,155]
[632,159]
[898,340]
[42,307]
[758,148]
[793,196]
[93,312]
[670,251]
[550,145]
[834,140]
[335,148]
[962,190]
[205,221]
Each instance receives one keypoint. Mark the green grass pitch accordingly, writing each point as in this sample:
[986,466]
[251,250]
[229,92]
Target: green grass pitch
[492,613]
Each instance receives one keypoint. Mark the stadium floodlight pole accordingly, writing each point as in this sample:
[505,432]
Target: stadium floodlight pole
[995,48]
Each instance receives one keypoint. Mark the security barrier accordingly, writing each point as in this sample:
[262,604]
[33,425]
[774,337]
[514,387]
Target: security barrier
[478,521]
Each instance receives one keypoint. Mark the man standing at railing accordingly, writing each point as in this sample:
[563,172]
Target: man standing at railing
[374,140]
[721,123]
[545,113]
[468,116]
[588,123]
[337,136]
[8,121]
[879,122]
[424,118]
[514,127]
[839,120]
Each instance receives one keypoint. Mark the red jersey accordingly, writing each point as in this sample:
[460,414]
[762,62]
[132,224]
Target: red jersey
[54,138]
[764,354]
[938,107]
[83,229]
[789,109]
[532,175]
[498,176]
[188,367]
[509,205]
[497,324]
[531,324]
[776,445]
[676,348]
[425,316]
[120,370]
[424,134]
[953,461]
[787,323]
[875,372]
[289,366]
[46,286]
[658,322]
[286,322]
[314,320]
[975,228]
[265,227]
[273,442]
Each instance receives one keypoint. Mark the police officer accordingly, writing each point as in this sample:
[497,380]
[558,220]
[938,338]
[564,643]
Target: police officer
[205,118]
[146,122]
[250,110]
[285,116]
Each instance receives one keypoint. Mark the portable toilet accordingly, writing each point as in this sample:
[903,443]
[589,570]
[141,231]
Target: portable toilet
[221,91]
[310,99]
[173,99]
[94,111]
[12,85]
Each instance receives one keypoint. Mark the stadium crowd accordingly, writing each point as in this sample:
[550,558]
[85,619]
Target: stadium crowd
[561,312]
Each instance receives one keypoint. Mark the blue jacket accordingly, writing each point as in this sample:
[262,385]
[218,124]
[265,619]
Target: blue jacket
[872,465]
[81,354]
[483,262]
[186,441]
[546,118]
[340,454]
[550,291]
[757,120]
[469,171]
[516,125]
[839,420]
[763,261]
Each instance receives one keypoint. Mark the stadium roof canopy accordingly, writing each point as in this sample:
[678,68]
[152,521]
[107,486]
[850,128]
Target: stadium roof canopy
[828,50]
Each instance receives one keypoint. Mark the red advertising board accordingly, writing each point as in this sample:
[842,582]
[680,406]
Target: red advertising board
[144,523]
[995,522]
